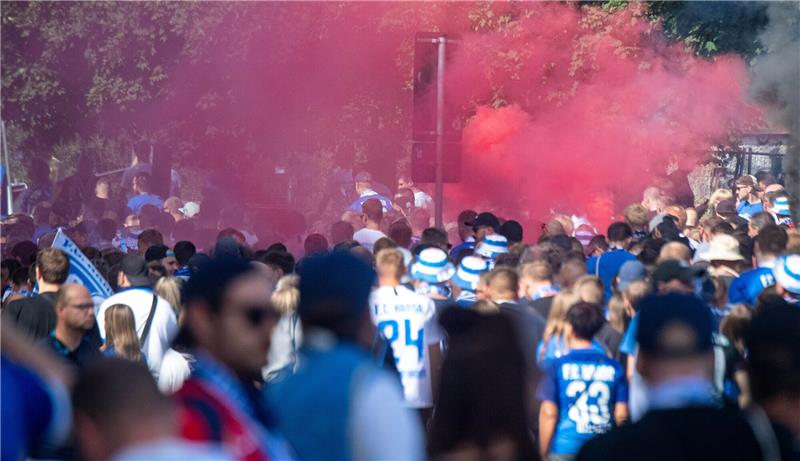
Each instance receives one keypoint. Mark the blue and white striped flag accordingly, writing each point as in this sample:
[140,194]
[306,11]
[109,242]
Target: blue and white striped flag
[81,270]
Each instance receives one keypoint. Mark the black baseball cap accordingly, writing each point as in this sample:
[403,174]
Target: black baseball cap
[674,326]
[485,219]
[135,269]
[156,252]
[727,208]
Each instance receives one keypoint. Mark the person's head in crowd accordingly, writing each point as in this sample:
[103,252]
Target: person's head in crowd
[341,231]
[629,272]
[468,275]
[363,182]
[770,242]
[183,251]
[566,223]
[121,337]
[777,203]
[692,218]
[503,285]
[633,295]
[673,276]
[764,179]
[759,221]
[485,419]
[131,221]
[315,243]
[738,223]
[141,183]
[726,209]
[512,231]
[149,216]
[597,246]
[571,269]
[679,213]
[590,289]
[229,315]
[746,189]
[583,321]
[52,269]
[281,262]
[233,233]
[534,277]
[155,271]
[134,272]
[510,260]
[389,266]
[229,247]
[723,251]
[431,271]
[720,228]
[552,228]
[21,280]
[334,293]
[382,244]
[148,238]
[404,199]
[41,214]
[675,251]
[433,236]
[8,266]
[773,364]
[286,296]
[366,256]
[674,336]
[653,199]
[619,235]
[774,188]
[277,246]
[735,324]
[102,188]
[718,196]
[636,216]
[465,219]
[372,212]
[420,220]
[173,206]
[562,242]
[25,252]
[584,234]
[164,256]
[492,246]
[720,297]
[400,233]
[485,224]
[117,407]
[170,288]
[346,245]
[74,313]
[786,269]
[618,314]
[556,318]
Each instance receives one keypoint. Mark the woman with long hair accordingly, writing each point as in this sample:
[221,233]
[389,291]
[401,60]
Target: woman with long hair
[121,339]
[169,288]
[553,343]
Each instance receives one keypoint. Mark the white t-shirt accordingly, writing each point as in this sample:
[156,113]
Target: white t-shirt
[368,237]
[422,200]
[162,330]
[175,369]
[408,320]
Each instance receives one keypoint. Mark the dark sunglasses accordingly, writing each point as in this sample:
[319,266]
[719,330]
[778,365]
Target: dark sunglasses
[257,315]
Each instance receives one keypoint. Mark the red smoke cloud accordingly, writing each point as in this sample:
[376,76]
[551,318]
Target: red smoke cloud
[600,106]
[571,109]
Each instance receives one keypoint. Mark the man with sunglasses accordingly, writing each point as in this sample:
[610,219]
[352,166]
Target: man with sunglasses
[749,203]
[230,319]
[74,317]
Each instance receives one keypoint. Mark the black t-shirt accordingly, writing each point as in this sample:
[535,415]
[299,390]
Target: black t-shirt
[83,354]
[34,317]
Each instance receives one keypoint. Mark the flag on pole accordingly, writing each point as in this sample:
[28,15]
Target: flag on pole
[81,270]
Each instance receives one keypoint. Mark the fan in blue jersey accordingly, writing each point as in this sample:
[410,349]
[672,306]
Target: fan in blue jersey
[584,393]
[770,243]
[747,197]
[607,265]
[365,192]
[408,321]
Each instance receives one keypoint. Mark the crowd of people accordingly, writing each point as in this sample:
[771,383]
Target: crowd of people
[673,334]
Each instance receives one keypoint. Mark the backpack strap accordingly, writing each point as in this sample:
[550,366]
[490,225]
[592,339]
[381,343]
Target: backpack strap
[149,322]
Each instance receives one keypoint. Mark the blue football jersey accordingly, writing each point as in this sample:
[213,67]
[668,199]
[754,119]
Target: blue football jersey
[585,385]
[746,288]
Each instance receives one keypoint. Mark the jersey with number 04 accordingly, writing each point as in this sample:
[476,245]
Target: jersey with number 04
[585,384]
[408,321]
